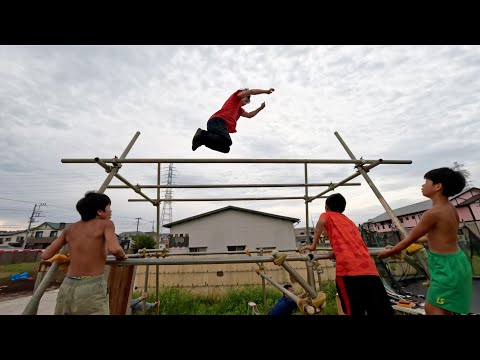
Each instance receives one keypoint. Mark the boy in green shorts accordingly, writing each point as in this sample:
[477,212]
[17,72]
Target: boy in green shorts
[450,288]
[84,289]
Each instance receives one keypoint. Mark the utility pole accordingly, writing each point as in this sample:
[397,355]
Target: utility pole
[31,220]
[138,221]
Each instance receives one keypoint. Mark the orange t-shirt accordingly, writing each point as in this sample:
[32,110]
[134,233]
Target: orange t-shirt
[351,253]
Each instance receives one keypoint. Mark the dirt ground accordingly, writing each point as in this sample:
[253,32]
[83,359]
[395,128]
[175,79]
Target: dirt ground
[24,287]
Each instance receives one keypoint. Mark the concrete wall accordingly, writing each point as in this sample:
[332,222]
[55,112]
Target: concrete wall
[214,279]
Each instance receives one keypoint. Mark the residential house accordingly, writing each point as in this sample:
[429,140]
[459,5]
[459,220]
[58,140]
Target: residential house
[38,237]
[231,229]
[9,239]
[43,235]
[301,237]
[467,204]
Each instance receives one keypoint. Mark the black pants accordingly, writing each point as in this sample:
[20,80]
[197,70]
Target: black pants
[217,137]
[363,295]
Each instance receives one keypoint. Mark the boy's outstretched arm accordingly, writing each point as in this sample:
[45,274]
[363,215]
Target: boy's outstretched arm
[316,235]
[248,92]
[55,246]
[254,112]
[426,223]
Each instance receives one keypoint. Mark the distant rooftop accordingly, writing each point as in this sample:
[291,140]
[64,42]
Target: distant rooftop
[406,210]
[230,208]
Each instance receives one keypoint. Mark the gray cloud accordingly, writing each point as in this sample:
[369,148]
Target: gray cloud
[394,102]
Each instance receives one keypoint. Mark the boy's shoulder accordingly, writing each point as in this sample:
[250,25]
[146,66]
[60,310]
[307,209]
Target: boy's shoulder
[334,215]
[90,223]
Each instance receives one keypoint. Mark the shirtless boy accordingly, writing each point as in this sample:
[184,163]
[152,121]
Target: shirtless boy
[450,288]
[84,289]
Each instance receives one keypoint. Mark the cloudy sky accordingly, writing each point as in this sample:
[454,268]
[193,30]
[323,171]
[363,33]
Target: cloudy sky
[418,103]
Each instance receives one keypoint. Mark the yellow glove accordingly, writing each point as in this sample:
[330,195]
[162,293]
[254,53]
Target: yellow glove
[413,248]
[63,259]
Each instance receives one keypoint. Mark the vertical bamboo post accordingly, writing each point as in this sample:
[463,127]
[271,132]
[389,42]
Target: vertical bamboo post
[385,205]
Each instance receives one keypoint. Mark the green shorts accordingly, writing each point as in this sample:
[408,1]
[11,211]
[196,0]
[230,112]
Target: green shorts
[450,281]
[83,296]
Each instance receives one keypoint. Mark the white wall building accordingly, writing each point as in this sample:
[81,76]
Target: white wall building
[231,229]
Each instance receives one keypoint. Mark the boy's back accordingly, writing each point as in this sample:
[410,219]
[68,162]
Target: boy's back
[84,290]
[351,254]
[442,236]
[87,247]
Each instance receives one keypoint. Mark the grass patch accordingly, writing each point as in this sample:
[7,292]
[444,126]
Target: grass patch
[233,302]
[12,269]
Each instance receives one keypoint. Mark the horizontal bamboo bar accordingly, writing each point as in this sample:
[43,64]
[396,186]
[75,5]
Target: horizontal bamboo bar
[231,199]
[225,186]
[240,260]
[233,161]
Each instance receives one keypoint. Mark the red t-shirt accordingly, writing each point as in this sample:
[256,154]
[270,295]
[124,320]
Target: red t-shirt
[230,111]
[351,253]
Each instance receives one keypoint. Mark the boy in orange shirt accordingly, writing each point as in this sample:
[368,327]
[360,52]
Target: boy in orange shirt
[359,286]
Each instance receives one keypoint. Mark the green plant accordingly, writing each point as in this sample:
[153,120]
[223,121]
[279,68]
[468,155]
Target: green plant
[177,301]
[143,241]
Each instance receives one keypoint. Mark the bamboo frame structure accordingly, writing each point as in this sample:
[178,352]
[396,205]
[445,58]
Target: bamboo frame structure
[112,166]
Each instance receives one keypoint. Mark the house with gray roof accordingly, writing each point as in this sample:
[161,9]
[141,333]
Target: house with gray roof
[232,229]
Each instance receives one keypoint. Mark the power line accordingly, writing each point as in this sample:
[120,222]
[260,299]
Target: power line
[32,202]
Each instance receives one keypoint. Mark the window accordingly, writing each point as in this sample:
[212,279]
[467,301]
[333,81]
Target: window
[197,249]
[271,248]
[54,233]
[406,218]
[38,234]
[20,238]
[236,248]
[8,239]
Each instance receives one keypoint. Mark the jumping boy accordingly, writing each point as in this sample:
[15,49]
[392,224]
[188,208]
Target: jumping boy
[224,121]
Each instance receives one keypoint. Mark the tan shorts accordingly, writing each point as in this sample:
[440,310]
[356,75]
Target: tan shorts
[86,296]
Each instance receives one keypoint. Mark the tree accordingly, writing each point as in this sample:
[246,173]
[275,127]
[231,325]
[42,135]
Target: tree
[143,241]
[460,167]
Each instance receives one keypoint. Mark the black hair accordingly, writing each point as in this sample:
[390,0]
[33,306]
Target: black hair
[248,96]
[453,181]
[336,202]
[287,286]
[91,203]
